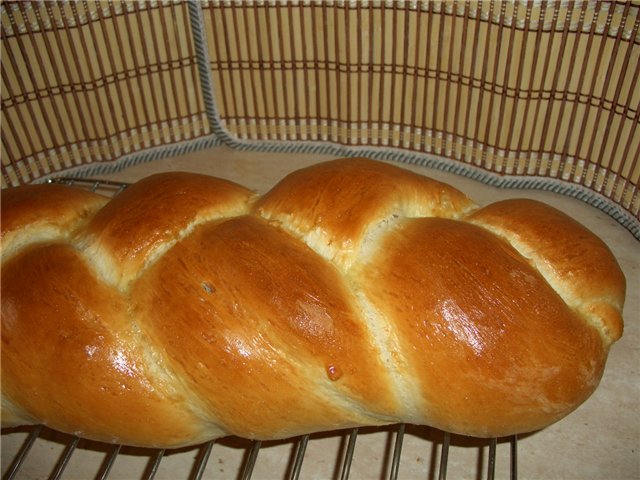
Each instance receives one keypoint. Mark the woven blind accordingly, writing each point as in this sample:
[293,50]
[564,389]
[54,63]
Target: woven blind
[89,82]
[516,89]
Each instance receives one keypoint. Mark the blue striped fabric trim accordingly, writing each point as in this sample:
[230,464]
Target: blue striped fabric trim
[137,158]
[196,18]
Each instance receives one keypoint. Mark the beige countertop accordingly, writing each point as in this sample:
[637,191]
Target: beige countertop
[600,440]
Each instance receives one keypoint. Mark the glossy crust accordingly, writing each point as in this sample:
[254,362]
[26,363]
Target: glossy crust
[353,293]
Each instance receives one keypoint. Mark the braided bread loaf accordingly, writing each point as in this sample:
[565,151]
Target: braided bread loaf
[353,293]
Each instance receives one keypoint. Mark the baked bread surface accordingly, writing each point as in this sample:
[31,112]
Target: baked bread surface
[352,293]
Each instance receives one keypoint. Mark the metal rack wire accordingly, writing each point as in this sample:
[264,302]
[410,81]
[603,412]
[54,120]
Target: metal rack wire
[104,187]
[251,457]
[252,448]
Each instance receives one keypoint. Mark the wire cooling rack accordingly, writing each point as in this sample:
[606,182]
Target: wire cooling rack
[62,450]
[148,461]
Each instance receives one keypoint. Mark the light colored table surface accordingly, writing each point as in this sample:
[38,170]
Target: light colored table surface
[600,440]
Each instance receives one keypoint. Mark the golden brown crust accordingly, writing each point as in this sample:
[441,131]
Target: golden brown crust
[153,213]
[353,293]
[71,358]
[265,316]
[486,323]
[576,262]
[333,206]
[39,213]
